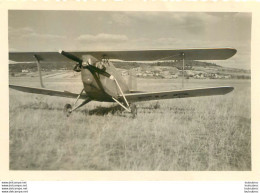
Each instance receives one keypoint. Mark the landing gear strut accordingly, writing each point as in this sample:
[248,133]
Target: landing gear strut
[68,109]
[130,108]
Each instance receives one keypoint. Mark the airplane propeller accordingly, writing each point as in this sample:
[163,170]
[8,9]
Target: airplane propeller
[71,56]
[99,71]
[79,65]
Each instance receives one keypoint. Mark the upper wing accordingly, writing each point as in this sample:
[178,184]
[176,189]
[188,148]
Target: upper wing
[132,55]
[135,97]
[42,56]
[47,91]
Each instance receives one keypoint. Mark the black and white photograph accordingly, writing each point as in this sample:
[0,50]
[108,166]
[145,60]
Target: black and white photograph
[129,90]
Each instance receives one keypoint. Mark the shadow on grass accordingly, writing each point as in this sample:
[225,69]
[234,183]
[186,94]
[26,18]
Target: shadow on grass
[100,111]
[114,109]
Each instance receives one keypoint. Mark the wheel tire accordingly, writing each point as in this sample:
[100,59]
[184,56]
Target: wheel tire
[67,109]
[133,110]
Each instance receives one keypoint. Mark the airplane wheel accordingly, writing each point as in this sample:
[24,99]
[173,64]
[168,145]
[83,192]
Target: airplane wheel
[133,110]
[67,109]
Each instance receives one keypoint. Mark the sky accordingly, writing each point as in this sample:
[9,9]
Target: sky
[107,30]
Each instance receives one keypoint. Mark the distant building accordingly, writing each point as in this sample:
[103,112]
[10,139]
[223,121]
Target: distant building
[124,73]
[175,76]
[25,71]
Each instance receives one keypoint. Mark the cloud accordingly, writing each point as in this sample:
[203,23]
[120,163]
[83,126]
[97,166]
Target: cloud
[178,19]
[102,37]
[121,19]
[19,31]
[43,36]
[29,33]
[28,39]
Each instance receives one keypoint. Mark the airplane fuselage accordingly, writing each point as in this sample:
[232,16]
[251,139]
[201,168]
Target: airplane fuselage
[102,88]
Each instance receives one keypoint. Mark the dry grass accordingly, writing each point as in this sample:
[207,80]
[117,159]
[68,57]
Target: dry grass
[205,133]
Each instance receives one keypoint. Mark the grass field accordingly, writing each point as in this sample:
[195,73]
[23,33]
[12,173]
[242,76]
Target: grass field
[193,134]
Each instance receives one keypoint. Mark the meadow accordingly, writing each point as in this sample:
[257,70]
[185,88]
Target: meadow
[194,134]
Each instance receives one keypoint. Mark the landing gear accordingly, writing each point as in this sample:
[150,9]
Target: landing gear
[67,109]
[133,110]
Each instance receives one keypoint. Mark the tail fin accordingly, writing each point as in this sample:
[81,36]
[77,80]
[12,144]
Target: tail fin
[132,83]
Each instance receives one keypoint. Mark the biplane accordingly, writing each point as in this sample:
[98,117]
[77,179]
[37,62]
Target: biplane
[102,82]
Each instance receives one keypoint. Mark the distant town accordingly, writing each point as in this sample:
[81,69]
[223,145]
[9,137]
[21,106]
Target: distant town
[173,73]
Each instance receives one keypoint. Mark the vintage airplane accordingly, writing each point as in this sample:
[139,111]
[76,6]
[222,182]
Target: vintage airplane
[102,82]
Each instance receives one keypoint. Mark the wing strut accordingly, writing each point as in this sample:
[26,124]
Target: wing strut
[183,64]
[126,108]
[39,69]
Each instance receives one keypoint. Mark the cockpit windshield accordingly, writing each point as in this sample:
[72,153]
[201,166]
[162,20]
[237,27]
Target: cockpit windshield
[101,64]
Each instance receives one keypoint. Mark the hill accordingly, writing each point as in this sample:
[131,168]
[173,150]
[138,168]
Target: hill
[192,69]
[165,69]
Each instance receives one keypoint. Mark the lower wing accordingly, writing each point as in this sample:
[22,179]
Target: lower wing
[135,97]
[47,92]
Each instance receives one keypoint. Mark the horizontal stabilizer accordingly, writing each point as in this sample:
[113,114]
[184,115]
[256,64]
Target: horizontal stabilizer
[131,55]
[47,92]
[135,97]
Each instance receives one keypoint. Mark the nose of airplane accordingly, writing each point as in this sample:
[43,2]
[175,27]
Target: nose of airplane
[86,76]
[89,81]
